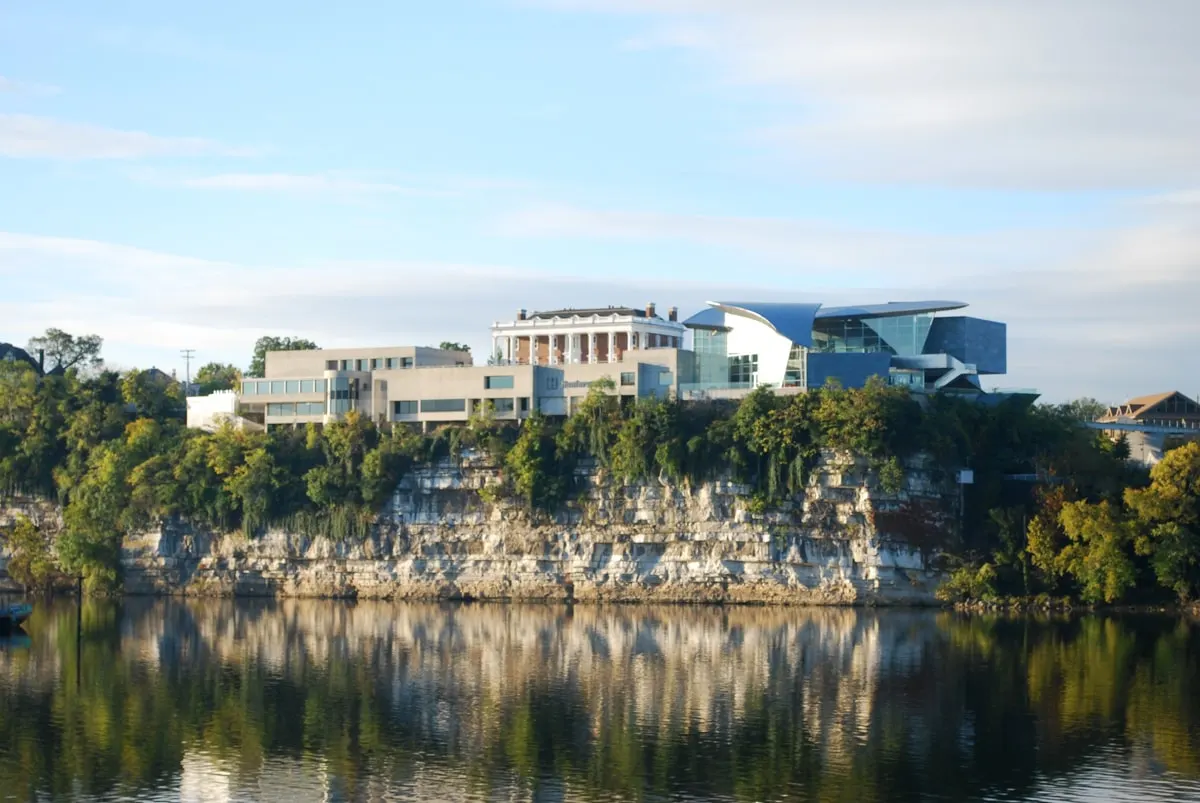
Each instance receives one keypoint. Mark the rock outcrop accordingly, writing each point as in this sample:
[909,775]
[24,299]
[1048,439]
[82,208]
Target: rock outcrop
[845,541]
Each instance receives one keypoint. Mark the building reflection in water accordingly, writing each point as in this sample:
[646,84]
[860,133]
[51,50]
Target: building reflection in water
[308,700]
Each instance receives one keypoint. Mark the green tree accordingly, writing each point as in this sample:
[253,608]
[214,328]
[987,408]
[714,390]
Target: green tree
[532,467]
[1097,554]
[216,376]
[152,394]
[590,430]
[1167,515]
[1085,409]
[31,560]
[64,351]
[447,345]
[258,361]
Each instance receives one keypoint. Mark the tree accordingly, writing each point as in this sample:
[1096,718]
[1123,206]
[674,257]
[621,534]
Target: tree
[1085,409]
[153,395]
[1168,520]
[216,376]
[64,351]
[1097,554]
[258,362]
[447,345]
[31,562]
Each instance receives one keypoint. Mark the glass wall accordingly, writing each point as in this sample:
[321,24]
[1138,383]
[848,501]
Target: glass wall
[443,405]
[404,407]
[797,368]
[902,334]
[712,356]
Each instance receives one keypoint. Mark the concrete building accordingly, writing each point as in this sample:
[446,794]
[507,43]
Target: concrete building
[577,336]
[740,345]
[424,387]
[546,361]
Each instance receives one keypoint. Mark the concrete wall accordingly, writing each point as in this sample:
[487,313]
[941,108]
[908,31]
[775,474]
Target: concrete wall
[315,362]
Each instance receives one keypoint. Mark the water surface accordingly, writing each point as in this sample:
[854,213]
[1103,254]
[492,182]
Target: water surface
[297,701]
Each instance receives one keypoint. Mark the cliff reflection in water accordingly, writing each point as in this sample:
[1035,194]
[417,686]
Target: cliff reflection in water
[306,700]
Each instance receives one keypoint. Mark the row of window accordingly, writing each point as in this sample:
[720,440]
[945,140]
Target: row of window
[373,364]
[498,382]
[297,408]
[264,387]
[412,407]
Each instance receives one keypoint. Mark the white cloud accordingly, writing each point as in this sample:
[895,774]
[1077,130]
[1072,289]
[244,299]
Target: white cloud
[28,136]
[1024,93]
[303,184]
[26,88]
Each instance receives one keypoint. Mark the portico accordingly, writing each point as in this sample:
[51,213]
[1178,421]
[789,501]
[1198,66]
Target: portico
[575,336]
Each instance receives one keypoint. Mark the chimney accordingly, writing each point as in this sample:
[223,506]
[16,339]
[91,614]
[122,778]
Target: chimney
[673,314]
[650,310]
[521,315]
[41,361]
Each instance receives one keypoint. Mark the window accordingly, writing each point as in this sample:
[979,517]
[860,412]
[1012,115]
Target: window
[502,406]
[404,408]
[310,408]
[319,386]
[392,362]
[284,409]
[498,382]
[293,386]
[278,387]
[443,405]
[306,386]
[628,378]
[331,365]
[249,388]
[376,363]
[406,362]
[524,404]
[665,378]
[553,382]
[363,365]
[743,370]
[344,365]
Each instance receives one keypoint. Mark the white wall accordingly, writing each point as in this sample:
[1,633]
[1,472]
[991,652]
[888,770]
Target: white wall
[208,412]
[748,336]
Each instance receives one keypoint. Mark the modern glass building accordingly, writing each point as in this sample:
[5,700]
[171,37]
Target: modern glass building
[803,345]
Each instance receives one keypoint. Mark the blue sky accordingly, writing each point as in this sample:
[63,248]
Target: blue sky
[379,173]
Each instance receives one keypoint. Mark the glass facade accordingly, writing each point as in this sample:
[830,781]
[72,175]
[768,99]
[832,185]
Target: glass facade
[297,408]
[712,356]
[797,368]
[404,408]
[502,405]
[498,382]
[903,335]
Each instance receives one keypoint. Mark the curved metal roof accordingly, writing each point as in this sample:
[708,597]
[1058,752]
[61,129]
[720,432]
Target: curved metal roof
[792,320]
[708,318]
[890,309]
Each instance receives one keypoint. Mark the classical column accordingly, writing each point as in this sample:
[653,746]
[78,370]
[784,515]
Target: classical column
[512,350]
[554,348]
[495,349]
[591,347]
[612,346]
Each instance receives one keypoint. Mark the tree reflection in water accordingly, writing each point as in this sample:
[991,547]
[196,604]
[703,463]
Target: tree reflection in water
[300,700]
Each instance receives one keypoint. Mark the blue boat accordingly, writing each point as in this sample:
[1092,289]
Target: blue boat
[12,617]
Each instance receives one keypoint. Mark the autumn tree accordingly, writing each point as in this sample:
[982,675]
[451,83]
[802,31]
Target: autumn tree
[1167,517]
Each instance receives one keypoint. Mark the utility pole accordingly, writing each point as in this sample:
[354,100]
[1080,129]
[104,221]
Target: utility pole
[187,355]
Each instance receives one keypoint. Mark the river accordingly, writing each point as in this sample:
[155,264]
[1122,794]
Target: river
[215,700]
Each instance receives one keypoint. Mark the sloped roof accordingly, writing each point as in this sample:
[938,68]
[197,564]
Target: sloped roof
[1142,404]
[792,320]
[890,309]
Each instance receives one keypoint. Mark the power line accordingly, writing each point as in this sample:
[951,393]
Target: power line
[187,355]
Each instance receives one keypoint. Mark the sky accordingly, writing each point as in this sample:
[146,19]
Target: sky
[376,173]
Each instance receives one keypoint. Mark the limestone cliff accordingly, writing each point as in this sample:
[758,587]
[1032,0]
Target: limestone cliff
[846,541]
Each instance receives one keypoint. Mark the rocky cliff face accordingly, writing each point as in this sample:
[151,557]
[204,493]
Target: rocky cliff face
[846,541]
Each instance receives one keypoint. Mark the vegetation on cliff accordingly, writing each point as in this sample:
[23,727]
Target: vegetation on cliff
[113,451]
